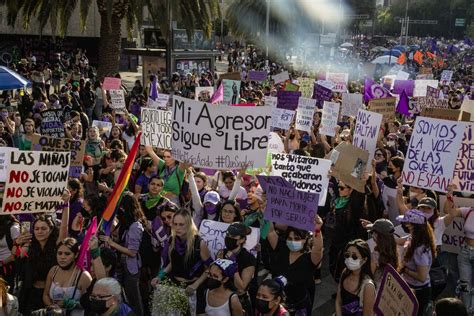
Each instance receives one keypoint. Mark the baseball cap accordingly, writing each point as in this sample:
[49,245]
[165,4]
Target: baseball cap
[382,226]
[413,217]
[212,197]
[428,202]
[238,229]
[227,266]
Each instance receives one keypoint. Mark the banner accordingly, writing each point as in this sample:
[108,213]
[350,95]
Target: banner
[430,102]
[231,76]
[104,127]
[117,100]
[446,76]
[52,123]
[329,118]
[231,91]
[203,94]
[322,92]
[420,87]
[111,83]
[77,149]
[306,174]
[5,161]
[219,137]
[305,114]
[213,234]
[306,86]
[288,100]
[432,152]
[464,169]
[453,236]
[35,181]
[366,133]
[386,107]
[156,128]
[257,75]
[281,77]
[339,81]
[286,205]
[351,103]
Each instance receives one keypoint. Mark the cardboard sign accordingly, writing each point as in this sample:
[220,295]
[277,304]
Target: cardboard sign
[286,205]
[453,236]
[366,132]
[281,77]
[349,164]
[444,114]
[395,296]
[52,124]
[322,92]
[339,81]
[351,103]
[305,114]
[156,128]
[306,174]
[213,234]
[386,107]
[288,100]
[420,87]
[35,181]
[468,107]
[117,99]
[104,127]
[464,169]
[432,92]
[329,118]
[306,87]
[231,91]
[257,75]
[432,152]
[77,149]
[446,76]
[5,161]
[230,76]
[430,102]
[219,137]
[203,94]
[111,83]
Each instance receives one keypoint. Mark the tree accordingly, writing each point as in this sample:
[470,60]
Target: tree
[191,13]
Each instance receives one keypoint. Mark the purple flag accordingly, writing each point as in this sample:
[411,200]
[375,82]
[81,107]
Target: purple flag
[404,85]
[373,90]
[402,106]
[154,90]
[218,95]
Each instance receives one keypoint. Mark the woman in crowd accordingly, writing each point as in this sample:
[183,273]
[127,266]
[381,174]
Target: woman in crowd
[116,134]
[8,303]
[76,203]
[271,297]
[94,145]
[101,102]
[107,299]
[356,291]
[230,212]
[231,188]
[146,172]
[381,162]
[27,138]
[9,232]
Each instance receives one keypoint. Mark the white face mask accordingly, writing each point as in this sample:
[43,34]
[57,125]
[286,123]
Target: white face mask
[352,264]
[466,194]
[391,143]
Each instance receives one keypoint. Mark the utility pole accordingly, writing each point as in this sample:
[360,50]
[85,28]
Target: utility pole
[267,28]
[169,47]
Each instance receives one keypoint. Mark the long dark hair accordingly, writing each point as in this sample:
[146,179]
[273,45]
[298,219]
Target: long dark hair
[387,248]
[235,205]
[422,236]
[75,184]
[130,211]
[43,258]
[365,270]
[304,235]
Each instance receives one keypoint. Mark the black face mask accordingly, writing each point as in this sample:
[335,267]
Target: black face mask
[262,306]
[98,306]
[405,228]
[213,283]
[230,243]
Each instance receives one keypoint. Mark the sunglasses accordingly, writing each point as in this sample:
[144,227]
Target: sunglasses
[351,255]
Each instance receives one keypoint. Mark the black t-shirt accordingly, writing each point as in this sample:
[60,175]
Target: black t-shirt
[244,259]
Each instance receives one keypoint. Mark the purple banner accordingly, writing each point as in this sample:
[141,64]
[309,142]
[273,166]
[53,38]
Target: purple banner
[257,75]
[288,100]
[373,90]
[286,205]
[407,85]
[51,123]
[321,94]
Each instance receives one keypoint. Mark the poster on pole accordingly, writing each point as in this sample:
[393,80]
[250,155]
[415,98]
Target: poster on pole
[304,173]
[203,94]
[117,100]
[35,181]
[366,133]
[156,128]
[231,91]
[329,118]
[339,81]
[384,106]
[305,114]
[420,87]
[219,137]
[464,169]
[281,77]
[432,152]
[351,103]
[52,123]
[5,153]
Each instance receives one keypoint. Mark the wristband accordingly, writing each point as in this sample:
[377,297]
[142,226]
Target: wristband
[162,274]
[95,253]
[317,232]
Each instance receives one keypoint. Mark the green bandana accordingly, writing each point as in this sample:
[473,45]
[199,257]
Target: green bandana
[341,202]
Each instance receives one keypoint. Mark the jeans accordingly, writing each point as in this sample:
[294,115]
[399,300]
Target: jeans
[466,264]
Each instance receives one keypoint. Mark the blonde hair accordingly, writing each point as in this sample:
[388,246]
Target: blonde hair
[191,232]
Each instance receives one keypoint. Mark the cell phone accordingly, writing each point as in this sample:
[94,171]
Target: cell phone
[25,227]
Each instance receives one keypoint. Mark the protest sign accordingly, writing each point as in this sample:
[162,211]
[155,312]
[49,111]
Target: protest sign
[366,132]
[111,83]
[339,81]
[203,94]
[305,113]
[304,173]
[104,127]
[219,137]
[4,161]
[156,128]
[275,143]
[281,77]
[288,100]
[289,86]
[432,92]
[117,100]
[329,118]
[349,163]
[401,75]
[213,234]
[444,114]
[432,152]
[306,87]
[395,297]
[286,205]
[446,76]
[257,75]
[389,199]
[231,91]
[404,85]
[231,76]
[414,107]
[282,118]
[322,92]
[35,181]
[468,107]
[420,87]
[77,149]
[351,103]
[386,107]
[430,102]
[453,235]
[270,101]
[51,123]
[163,101]
[464,169]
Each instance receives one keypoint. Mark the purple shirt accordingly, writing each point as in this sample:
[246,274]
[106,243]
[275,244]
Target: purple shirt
[421,257]
[133,238]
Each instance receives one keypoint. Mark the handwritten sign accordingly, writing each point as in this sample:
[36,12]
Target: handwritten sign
[366,132]
[322,92]
[156,128]
[163,101]
[219,137]
[282,118]
[464,169]
[389,199]
[231,91]
[257,75]
[5,161]
[351,103]
[213,234]
[306,87]
[420,87]
[111,83]
[339,81]
[432,92]
[386,107]
[104,127]
[203,94]
[432,152]
[281,77]
[430,102]
[305,113]
[35,181]
[329,118]
[51,123]
[306,174]
[446,76]
[286,205]
[117,99]
[288,100]
[453,236]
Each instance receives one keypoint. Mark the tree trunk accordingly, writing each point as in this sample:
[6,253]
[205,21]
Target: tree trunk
[109,45]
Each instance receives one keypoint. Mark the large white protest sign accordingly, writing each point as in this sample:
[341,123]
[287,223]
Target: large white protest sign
[203,94]
[305,113]
[220,137]
[35,181]
[231,91]
[453,236]
[162,101]
[5,161]
[339,81]
[351,103]
[366,133]
[420,87]
[104,127]
[304,173]
[431,154]
[281,77]
[156,128]
[329,118]
[464,169]
[117,99]
[213,234]
[282,118]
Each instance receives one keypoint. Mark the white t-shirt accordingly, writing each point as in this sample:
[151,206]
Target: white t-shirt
[439,228]
[224,193]
[14,233]
[468,222]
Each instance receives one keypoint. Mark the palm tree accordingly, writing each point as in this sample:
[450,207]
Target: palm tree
[191,13]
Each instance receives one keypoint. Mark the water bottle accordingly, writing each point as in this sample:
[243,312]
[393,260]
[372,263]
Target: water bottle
[192,304]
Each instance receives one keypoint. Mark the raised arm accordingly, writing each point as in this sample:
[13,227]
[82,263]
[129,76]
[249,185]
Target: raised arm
[317,249]
[156,159]
[63,229]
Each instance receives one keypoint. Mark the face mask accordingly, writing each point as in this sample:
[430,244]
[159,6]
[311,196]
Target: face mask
[466,194]
[213,283]
[391,143]
[230,243]
[4,114]
[98,306]
[262,306]
[294,245]
[352,264]
[405,228]
[210,208]
[428,215]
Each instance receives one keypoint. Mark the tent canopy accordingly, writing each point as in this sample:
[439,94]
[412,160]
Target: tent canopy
[11,80]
